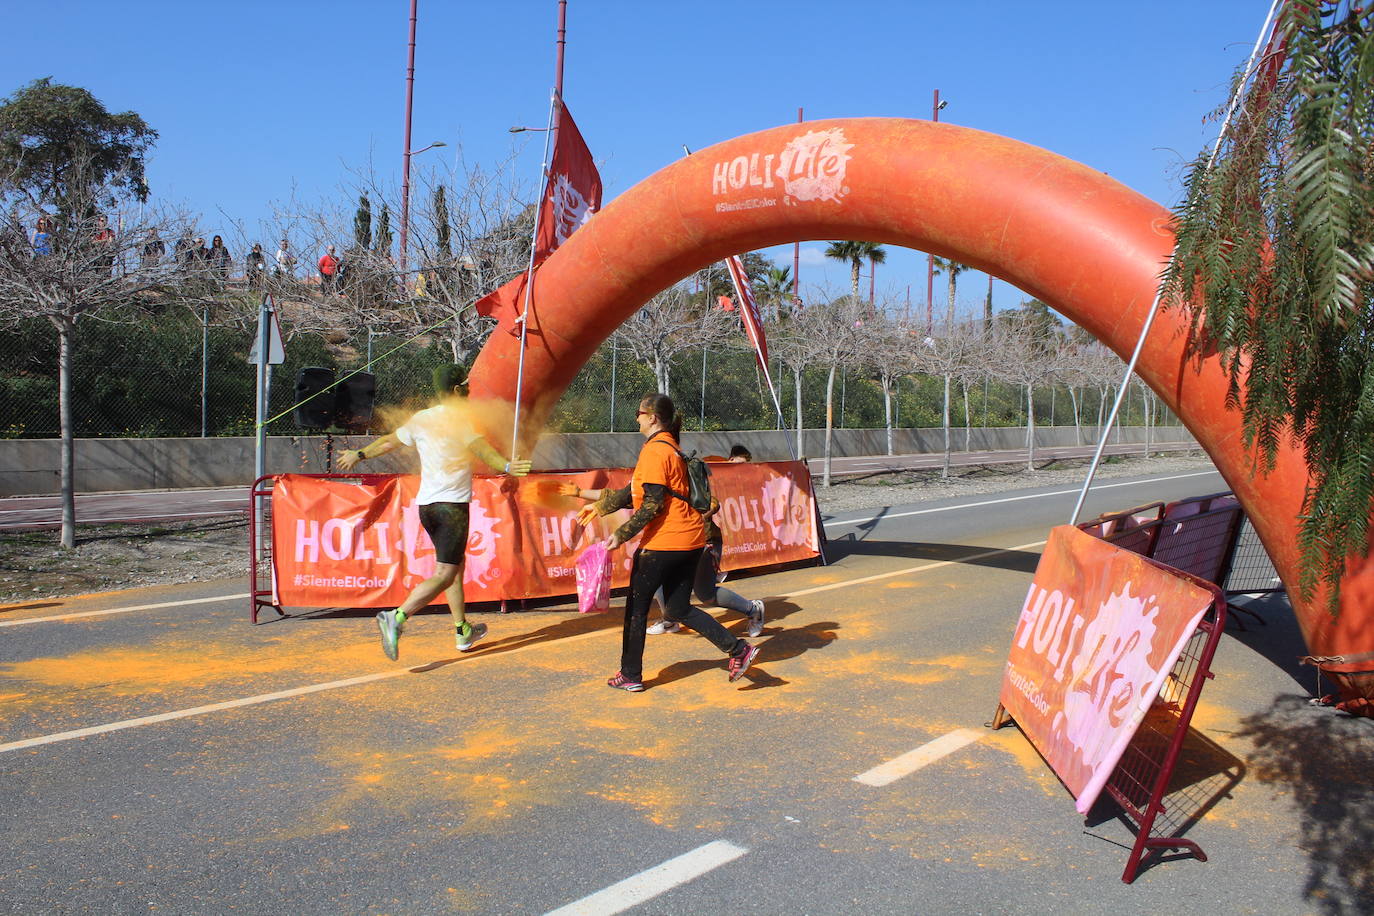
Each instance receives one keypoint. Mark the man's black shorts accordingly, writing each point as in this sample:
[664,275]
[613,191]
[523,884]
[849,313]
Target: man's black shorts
[447,525]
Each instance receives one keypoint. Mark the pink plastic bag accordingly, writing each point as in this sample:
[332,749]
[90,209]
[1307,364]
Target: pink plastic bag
[594,579]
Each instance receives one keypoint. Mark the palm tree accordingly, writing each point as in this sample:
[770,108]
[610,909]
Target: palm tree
[951,269]
[856,253]
[775,290]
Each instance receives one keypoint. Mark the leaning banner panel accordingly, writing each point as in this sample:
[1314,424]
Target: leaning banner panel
[357,542]
[1097,636]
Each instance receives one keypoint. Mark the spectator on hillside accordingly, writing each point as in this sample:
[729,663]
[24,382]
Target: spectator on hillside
[153,250]
[286,261]
[42,237]
[219,259]
[105,244]
[255,267]
[329,272]
[200,256]
[184,250]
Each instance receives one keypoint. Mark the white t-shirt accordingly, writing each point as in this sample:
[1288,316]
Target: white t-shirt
[441,435]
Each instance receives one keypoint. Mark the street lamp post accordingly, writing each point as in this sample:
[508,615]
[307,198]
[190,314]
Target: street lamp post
[405,196]
[936,105]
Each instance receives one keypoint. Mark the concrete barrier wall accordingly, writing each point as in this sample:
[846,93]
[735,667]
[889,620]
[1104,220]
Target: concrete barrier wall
[31,466]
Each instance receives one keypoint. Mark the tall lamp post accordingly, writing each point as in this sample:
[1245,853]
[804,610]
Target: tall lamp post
[936,105]
[405,159]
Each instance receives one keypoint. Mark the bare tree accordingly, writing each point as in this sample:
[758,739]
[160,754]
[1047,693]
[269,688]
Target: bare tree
[88,264]
[948,351]
[888,354]
[668,325]
[838,331]
[1026,358]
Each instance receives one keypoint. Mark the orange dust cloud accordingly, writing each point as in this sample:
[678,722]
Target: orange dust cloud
[492,420]
[544,493]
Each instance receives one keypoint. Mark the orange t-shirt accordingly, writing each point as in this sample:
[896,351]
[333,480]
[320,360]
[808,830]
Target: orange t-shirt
[679,526]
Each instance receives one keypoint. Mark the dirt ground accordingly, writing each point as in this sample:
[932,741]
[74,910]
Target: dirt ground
[108,557]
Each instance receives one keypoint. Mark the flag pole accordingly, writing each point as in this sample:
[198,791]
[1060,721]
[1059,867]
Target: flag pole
[551,130]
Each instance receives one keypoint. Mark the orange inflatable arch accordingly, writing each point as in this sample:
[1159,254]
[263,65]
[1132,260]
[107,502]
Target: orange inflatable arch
[1066,234]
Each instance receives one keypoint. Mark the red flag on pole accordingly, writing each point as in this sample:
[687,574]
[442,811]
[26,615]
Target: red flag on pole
[573,193]
[505,303]
[749,309]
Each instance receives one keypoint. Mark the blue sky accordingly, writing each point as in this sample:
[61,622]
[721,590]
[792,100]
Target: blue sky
[259,102]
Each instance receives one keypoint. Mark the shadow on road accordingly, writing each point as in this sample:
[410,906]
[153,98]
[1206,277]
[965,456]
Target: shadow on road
[1326,759]
[851,546]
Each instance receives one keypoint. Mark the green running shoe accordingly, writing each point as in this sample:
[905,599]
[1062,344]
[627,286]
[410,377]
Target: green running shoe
[391,632]
[469,633]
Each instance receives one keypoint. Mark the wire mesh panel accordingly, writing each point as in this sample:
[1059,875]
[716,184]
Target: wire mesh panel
[1198,542]
[1251,572]
[1142,778]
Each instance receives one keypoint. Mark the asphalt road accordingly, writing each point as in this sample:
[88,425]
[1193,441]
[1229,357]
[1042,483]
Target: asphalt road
[158,752]
[23,512]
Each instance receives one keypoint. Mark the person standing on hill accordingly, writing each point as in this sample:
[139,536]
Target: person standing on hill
[446,442]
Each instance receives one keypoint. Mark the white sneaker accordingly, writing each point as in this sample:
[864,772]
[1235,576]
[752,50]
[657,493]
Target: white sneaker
[755,617]
[659,627]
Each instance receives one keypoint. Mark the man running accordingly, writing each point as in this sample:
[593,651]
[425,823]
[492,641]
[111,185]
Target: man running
[446,442]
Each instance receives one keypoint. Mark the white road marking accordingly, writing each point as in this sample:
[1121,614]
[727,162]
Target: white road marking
[911,761]
[1009,499]
[272,697]
[420,669]
[120,610]
[649,884]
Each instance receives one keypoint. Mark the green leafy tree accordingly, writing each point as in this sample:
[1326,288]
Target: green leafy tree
[362,223]
[58,142]
[383,240]
[1275,262]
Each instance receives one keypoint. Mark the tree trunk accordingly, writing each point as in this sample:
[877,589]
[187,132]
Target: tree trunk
[887,408]
[1030,428]
[829,422]
[949,311]
[796,376]
[968,418]
[661,374]
[944,419]
[1077,422]
[854,279]
[66,432]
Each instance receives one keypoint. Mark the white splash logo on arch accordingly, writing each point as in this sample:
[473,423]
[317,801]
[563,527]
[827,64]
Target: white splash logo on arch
[812,167]
[570,209]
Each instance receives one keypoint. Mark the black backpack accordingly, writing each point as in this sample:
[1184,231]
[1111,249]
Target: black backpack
[698,481]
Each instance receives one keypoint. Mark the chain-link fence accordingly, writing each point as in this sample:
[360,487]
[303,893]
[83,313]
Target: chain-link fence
[180,376]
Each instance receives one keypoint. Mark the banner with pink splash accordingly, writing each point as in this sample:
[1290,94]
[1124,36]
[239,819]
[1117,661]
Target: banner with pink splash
[1096,639]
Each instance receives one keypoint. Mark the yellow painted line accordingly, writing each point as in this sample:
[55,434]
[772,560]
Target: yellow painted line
[52,618]
[926,754]
[420,669]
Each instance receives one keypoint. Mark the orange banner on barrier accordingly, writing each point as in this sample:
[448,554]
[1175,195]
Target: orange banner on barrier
[1099,632]
[358,542]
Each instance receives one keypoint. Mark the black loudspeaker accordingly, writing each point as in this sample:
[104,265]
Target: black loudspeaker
[314,410]
[353,402]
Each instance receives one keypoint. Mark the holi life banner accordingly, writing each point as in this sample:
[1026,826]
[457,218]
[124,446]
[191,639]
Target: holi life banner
[1097,637]
[353,541]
